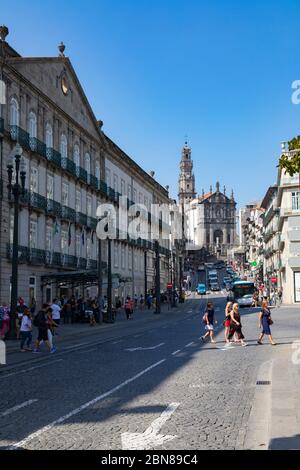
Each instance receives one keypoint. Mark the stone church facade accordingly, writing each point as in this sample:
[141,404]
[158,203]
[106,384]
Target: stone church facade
[211,217]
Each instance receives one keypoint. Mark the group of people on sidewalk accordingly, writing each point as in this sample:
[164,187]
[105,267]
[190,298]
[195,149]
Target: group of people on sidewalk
[233,325]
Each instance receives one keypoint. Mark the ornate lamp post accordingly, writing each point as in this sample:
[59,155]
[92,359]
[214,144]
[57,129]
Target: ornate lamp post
[16,189]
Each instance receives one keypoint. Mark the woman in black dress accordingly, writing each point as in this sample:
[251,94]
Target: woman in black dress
[235,325]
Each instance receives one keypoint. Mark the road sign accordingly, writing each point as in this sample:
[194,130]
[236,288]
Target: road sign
[169,285]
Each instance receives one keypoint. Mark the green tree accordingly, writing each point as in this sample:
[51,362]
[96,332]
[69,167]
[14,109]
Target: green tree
[291,165]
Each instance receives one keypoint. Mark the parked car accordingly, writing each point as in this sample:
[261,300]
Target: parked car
[201,289]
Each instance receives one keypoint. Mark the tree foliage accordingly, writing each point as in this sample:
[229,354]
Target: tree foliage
[291,164]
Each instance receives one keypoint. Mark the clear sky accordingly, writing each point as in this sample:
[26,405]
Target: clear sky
[218,71]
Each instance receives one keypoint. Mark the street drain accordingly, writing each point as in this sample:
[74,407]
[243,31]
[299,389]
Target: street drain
[263,382]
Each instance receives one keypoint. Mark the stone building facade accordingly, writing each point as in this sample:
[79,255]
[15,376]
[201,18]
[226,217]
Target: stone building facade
[71,167]
[212,222]
[187,191]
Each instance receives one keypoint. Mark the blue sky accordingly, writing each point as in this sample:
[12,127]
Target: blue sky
[154,71]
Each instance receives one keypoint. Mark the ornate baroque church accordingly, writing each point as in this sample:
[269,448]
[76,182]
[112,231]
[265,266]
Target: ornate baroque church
[211,217]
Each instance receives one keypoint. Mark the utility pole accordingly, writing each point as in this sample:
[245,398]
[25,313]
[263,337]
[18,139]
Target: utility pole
[100,277]
[145,274]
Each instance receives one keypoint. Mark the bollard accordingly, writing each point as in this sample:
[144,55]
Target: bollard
[2,352]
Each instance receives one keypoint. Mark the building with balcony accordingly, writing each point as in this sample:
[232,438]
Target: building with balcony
[72,166]
[289,230]
[252,238]
[271,237]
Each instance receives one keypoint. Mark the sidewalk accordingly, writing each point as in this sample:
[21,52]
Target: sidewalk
[275,416]
[76,330]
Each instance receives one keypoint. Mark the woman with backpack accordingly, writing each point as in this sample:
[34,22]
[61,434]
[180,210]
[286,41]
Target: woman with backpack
[264,322]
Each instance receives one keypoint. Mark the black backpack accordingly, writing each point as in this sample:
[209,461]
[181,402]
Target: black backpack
[38,318]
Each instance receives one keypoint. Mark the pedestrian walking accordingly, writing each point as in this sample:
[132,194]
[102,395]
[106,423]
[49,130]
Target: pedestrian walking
[135,300]
[227,321]
[142,301]
[236,326]
[128,307]
[279,293]
[264,322]
[149,301]
[26,331]
[56,311]
[40,321]
[32,306]
[4,320]
[208,320]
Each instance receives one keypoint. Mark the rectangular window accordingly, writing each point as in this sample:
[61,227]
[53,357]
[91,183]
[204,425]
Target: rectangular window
[140,198]
[116,186]
[107,176]
[296,201]
[33,234]
[78,245]
[129,192]
[123,191]
[11,228]
[129,259]
[88,248]
[64,241]
[116,255]
[89,205]
[134,195]
[78,201]
[297,286]
[65,194]
[33,184]
[123,257]
[49,238]
[50,186]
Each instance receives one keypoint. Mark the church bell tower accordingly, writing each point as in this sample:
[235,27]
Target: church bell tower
[187,190]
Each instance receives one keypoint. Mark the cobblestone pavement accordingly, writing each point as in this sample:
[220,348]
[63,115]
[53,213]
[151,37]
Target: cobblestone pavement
[88,398]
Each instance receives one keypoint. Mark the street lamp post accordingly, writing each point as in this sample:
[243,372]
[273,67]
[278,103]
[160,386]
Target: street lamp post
[174,280]
[16,190]
[109,283]
[157,278]
[145,275]
[100,277]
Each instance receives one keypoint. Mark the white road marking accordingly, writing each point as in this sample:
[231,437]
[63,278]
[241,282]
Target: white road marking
[23,371]
[190,344]
[60,420]
[150,438]
[18,407]
[145,349]
[116,342]
[175,352]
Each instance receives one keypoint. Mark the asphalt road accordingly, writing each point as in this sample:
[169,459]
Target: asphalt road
[133,391]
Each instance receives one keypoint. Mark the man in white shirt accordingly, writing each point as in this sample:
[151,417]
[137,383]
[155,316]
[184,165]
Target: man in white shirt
[55,311]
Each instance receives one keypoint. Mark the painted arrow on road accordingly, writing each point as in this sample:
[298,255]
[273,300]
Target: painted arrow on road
[145,349]
[150,438]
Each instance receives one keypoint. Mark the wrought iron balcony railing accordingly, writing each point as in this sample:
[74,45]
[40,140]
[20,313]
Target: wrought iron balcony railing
[68,261]
[91,222]
[69,166]
[37,146]
[52,258]
[91,264]
[81,218]
[81,263]
[53,208]
[19,135]
[53,156]
[22,252]
[93,181]
[68,214]
[36,201]
[36,256]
